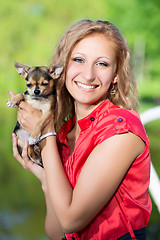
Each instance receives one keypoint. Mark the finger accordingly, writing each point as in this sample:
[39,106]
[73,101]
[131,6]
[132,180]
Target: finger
[15,150]
[19,116]
[22,117]
[25,151]
[27,162]
[25,106]
[11,94]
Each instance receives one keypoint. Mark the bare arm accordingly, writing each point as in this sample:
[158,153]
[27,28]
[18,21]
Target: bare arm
[52,226]
[75,208]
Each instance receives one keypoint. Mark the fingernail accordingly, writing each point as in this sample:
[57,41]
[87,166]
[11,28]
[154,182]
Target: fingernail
[13,137]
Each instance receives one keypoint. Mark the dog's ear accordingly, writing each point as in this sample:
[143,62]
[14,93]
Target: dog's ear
[21,69]
[55,71]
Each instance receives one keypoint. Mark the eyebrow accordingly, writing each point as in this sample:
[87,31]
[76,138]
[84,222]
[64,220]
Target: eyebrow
[104,57]
[85,55]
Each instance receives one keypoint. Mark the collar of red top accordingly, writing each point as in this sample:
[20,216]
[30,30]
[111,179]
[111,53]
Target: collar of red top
[85,122]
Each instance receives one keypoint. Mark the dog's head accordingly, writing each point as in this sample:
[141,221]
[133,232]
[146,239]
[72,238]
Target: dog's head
[40,80]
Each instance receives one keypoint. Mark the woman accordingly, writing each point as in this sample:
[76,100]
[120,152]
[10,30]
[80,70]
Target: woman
[96,172]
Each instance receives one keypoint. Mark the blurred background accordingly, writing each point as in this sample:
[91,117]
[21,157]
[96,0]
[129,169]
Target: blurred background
[29,32]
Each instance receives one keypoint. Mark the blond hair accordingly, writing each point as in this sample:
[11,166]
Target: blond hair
[126,88]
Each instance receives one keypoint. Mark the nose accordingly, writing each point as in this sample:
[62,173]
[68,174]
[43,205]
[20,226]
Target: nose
[89,73]
[37,91]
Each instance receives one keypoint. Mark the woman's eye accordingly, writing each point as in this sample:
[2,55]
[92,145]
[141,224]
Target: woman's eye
[80,60]
[29,85]
[44,84]
[102,64]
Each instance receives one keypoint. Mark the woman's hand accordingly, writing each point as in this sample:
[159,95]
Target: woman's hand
[26,163]
[27,116]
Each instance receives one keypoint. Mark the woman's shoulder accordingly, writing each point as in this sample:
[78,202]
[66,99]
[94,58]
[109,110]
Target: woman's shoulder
[129,119]
[117,115]
[109,111]
[121,116]
[119,120]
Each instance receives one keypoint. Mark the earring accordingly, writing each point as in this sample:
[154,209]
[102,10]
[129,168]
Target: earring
[113,91]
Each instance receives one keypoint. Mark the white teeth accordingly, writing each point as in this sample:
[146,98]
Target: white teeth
[85,86]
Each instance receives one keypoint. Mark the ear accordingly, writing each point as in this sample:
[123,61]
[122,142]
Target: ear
[21,69]
[115,79]
[55,71]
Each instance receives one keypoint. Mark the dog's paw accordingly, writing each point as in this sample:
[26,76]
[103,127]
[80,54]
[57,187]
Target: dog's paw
[11,103]
[32,141]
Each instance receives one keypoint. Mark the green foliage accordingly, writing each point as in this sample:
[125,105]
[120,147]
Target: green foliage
[30,30]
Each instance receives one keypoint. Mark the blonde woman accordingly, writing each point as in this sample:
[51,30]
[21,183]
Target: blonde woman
[97,169]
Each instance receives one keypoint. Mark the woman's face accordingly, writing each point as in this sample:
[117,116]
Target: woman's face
[91,69]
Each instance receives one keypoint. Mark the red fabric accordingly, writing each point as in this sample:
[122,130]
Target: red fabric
[130,208]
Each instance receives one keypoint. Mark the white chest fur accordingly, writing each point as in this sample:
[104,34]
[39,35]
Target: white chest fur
[42,104]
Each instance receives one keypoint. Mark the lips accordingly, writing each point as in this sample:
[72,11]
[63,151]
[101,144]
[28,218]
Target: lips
[86,86]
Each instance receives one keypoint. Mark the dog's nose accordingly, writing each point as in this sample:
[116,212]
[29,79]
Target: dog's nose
[37,92]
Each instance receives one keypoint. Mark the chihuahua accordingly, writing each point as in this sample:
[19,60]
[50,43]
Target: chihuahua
[40,94]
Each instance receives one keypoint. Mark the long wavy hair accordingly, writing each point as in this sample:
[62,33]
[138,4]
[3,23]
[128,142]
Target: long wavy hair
[126,94]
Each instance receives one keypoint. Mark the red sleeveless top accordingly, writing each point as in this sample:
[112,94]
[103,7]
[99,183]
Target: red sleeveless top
[130,207]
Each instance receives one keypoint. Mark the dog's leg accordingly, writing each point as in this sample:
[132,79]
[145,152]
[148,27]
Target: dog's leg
[15,100]
[46,117]
[35,155]
[37,150]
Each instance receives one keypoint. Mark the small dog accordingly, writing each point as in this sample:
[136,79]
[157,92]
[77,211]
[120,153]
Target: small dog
[40,94]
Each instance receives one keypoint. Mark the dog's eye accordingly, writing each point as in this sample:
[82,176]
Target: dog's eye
[44,84]
[29,85]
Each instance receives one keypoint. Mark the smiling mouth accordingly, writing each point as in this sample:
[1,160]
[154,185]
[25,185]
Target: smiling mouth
[86,86]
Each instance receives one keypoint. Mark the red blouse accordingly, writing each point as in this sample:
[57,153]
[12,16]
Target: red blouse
[129,209]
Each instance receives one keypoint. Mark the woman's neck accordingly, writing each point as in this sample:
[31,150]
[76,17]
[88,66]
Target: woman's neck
[83,110]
